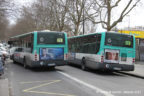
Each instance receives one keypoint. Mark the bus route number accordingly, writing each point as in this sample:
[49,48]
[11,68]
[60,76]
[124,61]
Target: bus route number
[128,43]
[59,40]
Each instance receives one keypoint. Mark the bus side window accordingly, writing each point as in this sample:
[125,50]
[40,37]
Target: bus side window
[69,45]
[85,49]
[73,48]
[98,39]
[29,45]
[28,48]
[91,48]
[81,48]
[32,41]
[78,47]
[97,47]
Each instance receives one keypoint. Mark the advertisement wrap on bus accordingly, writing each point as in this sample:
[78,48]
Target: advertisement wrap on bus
[111,56]
[51,53]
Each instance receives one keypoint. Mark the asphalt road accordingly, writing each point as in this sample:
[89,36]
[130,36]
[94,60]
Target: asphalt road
[70,81]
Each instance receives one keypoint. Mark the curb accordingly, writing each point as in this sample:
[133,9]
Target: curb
[139,63]
[134,75]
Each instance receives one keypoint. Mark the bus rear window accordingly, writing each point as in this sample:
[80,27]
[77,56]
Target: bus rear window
[51,38]
[121,40]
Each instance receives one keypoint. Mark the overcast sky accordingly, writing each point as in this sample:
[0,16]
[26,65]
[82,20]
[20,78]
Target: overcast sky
[135,18]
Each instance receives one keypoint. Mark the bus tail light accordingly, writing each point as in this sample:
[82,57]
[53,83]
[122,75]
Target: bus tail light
[35,57]
[65,56]
[102,59]
[133,60]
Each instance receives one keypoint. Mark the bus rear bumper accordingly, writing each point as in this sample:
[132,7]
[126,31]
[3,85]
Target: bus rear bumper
[48,63]
[116,67]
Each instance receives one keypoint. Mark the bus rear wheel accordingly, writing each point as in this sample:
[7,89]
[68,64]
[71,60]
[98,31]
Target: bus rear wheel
[52,67]
[14,61]
[25,64]
[83,66]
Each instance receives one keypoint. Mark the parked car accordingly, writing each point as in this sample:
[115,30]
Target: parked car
[1,64]
[17,54]
[12,51]
[3,58]
[1,45]
[4,52]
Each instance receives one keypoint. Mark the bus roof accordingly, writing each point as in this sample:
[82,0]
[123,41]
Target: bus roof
[85,35]
[50,31]
[96,33]
[21,35]
[34,32]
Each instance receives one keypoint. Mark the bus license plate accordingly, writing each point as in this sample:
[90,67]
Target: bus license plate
[116,68]
[51,64]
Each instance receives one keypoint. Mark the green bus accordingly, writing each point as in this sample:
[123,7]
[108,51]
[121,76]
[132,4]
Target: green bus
[40,49]
[103,51]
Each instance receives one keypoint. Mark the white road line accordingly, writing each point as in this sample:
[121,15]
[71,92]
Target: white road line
[97,90]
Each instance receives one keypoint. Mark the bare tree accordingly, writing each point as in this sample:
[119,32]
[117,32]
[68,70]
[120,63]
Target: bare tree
[79,14]
[57,15]
[107,9]
[69,15]
[3,27]
[75,14]
[60,10]
[4,7]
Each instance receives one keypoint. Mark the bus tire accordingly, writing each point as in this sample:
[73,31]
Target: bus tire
[52,67]
[83,66]
[25,64]
[14,61]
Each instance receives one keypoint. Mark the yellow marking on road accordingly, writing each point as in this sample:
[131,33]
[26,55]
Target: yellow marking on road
[30,82]
[41,85]
[49,93]
[29,90]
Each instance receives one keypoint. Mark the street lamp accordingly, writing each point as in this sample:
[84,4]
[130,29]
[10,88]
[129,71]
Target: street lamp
[83,3]
[128,22]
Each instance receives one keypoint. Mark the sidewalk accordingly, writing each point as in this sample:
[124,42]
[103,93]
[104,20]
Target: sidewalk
[139,70]
[4,89]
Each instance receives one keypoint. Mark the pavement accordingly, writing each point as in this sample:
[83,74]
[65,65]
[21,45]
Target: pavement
[138,72]
[4,89]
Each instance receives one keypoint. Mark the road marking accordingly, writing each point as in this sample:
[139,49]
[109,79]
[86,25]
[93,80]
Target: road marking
[30,82]
[98,90]
[41,85]
[29,90]
[49,93]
